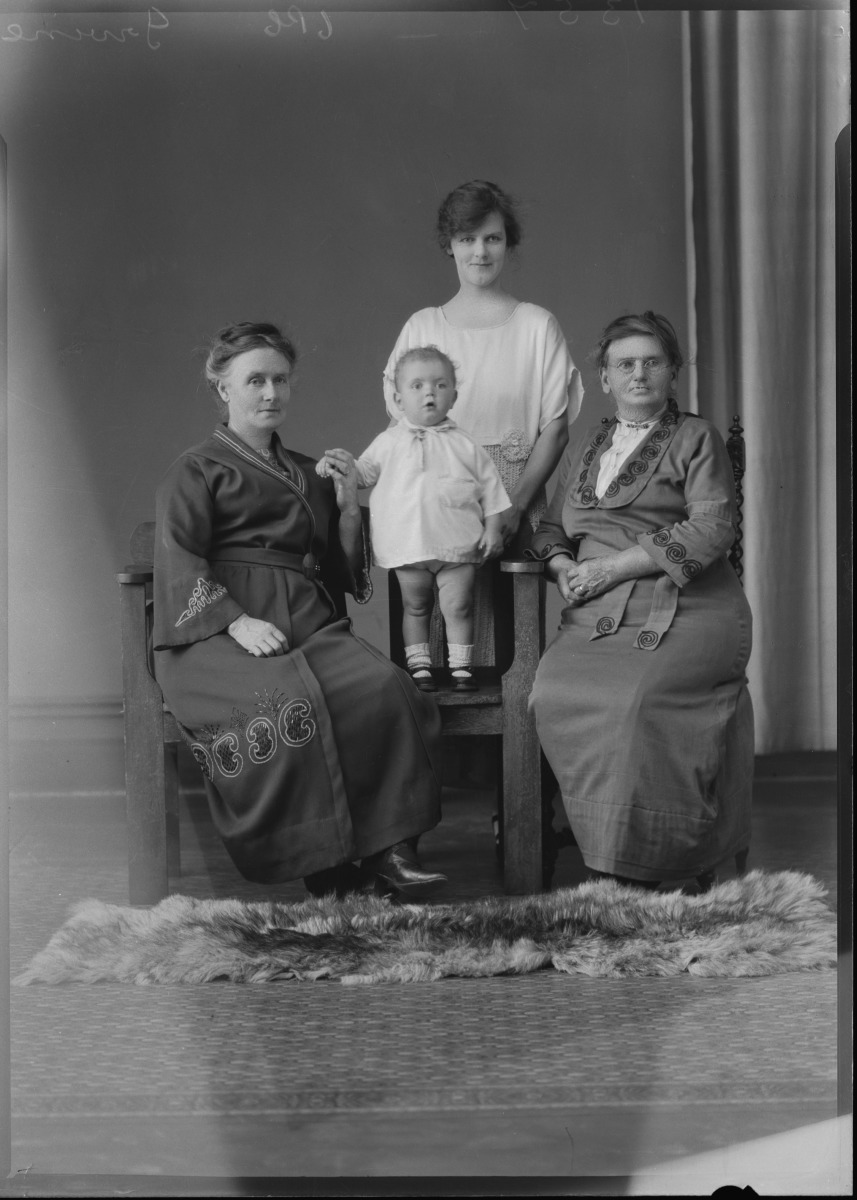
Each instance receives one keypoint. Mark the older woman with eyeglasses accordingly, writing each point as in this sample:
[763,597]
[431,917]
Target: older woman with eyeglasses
[641,701]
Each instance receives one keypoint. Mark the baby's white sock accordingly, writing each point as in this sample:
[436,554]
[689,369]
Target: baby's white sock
[460,658]
[418,658]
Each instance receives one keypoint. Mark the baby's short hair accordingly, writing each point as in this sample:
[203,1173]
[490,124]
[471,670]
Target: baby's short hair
[423,354]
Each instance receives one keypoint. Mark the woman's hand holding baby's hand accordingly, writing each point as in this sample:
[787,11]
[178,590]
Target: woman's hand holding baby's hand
[333,463]
[259,638]
[341,467]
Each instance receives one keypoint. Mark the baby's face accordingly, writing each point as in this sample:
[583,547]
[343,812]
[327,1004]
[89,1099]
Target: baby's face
[425,391]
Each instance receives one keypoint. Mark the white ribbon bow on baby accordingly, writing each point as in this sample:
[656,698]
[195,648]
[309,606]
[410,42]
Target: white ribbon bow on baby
[419,433]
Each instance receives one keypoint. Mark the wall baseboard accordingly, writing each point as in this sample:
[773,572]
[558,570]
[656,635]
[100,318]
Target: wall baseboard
[74,749]
[38,720]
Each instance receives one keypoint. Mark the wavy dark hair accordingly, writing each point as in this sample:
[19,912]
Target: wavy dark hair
[467,206]
[237,339]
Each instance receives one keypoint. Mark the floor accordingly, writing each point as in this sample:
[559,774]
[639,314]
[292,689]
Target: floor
[542,1084]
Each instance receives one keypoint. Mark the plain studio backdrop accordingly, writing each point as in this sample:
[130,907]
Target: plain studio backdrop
[170,172]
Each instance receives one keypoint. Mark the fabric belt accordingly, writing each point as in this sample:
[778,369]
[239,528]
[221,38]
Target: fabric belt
[307,564]
[611,606]
[611,609]
[664,604]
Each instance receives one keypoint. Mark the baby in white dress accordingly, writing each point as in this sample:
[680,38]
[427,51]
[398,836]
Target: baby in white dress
[435,510]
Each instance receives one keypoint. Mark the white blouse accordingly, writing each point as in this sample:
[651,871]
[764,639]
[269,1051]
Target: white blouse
[513,379]
[626,437]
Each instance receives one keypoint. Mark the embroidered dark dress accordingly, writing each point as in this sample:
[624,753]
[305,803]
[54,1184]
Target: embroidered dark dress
[313,758]
[641,701]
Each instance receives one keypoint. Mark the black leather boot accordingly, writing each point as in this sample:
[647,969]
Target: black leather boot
[399,866]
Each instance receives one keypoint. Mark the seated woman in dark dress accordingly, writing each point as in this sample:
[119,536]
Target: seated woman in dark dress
[641,701]
[317,752]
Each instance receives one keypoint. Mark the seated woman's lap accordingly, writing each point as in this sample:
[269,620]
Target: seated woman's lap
[385,732]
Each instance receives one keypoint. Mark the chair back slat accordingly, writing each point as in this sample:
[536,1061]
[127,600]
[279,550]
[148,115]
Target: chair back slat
[143,543]
[737,454]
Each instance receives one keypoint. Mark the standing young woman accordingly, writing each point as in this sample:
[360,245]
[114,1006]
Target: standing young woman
[518,388]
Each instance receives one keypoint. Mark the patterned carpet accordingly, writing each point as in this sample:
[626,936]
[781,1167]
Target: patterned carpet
[759,1052]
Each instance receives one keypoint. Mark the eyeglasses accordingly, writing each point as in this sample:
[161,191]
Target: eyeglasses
[652,366]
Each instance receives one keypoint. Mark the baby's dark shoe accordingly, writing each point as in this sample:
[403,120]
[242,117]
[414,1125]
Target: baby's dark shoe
[462,680]
[422,677]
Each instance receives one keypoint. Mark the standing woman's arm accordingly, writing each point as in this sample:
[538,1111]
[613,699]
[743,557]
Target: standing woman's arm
[560,394]
[541,464]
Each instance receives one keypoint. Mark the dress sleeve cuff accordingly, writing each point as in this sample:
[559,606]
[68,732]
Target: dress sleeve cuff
[685,550]
[361,579]
[550,550]
[197,626]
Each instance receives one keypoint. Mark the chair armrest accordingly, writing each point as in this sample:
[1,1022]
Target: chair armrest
[135,573]
[522,566]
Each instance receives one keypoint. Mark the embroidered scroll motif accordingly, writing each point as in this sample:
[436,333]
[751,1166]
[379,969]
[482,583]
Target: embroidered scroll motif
[225,752]
[262,736]
[281,722]
[676,553]
[649,454]
[201,747]
[647,639]
[296,725]
[203,758]
[205,592]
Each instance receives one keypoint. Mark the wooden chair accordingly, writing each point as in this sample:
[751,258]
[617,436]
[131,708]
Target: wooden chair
[737,454]
[500,707]
[151,737]
[525,787]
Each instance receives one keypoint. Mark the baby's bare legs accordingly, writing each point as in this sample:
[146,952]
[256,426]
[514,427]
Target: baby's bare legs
[455,590]
[455,583]
[417,587]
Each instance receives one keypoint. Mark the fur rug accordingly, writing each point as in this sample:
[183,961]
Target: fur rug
[759,925]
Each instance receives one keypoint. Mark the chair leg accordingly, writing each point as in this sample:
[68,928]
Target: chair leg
[144,756]
[497,818]
[522,800]
[550,836]
[171,813]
